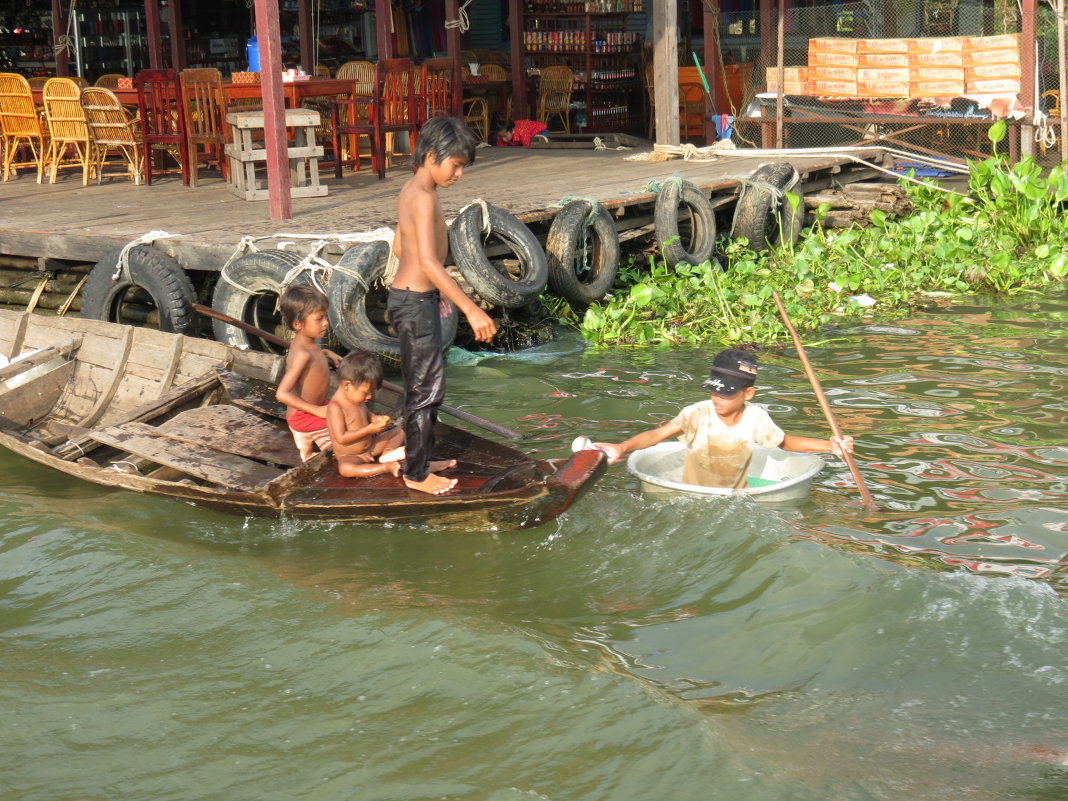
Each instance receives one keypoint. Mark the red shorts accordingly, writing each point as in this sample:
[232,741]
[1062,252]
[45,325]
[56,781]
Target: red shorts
[302,421]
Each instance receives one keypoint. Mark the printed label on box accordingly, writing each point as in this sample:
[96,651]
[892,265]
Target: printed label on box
[821,59]
[832,88]
[887,75]
[995,87]
[976,58]
[883,60]
[936,74]
[1003,41]
[882,89]
[832,73]
[790,87]
[936,44]
[946,58]
[985,71]
[790,74]
[883,46]
[832,45]
[936,88]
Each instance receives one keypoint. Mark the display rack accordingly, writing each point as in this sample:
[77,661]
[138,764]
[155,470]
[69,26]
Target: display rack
[111,40]
[600,50]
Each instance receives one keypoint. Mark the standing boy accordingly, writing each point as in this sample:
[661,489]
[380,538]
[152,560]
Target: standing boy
[304,386]
[720,432]
[422,291]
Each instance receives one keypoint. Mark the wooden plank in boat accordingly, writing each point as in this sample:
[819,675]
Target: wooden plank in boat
[27,363]
[9,329]
[29,400]
[251,393]
[234,430]
[224,469]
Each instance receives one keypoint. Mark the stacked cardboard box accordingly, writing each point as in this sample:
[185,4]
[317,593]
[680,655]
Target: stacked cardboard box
[992,64]
[795,80]
[936,67]
[882,68]
[832,67]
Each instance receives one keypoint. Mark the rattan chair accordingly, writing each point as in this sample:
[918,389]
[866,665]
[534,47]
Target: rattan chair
[68,131]
[203,110]
[37,81]
[501,106]
[20,125]
[112,130]
[321,71]
[109,80]
[554,95]
[363,72]
[477,117]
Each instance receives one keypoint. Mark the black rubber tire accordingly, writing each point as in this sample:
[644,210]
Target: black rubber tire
[570,277]
[258,274]
[753,215]
[349,320]
[151,270]
[674,195]
[467,243]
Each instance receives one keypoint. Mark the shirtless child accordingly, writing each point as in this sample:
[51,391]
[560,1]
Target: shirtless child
[423,293]
[304,386]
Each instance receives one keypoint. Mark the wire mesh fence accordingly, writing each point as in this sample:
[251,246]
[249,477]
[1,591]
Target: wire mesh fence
[927,77]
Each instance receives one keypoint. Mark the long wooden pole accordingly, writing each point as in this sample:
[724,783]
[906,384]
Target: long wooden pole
[274,339]
[865,495]
[268,35]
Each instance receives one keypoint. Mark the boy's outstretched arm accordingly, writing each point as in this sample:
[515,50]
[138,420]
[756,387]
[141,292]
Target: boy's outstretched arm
[296,364]
[423,226]
[644,440]
[335,421]
[835,445]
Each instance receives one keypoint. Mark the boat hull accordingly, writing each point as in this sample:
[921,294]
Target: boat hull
[659,469]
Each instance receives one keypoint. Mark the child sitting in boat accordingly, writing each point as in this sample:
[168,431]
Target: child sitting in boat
[363,442]
[306,381]
[720,432]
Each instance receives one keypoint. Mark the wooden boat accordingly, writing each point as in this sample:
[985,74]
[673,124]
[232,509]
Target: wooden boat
[196,420]
[775,476]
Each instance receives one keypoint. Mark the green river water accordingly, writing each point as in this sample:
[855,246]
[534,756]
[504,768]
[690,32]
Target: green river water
[635,649]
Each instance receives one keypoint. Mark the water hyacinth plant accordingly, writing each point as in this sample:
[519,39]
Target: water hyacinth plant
[1008,234]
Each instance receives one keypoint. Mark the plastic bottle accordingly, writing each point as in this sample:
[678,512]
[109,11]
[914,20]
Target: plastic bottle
[252,51]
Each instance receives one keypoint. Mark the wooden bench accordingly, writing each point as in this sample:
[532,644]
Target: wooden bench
[217,467]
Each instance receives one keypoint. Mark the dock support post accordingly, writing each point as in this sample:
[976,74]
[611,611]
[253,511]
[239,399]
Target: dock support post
[268,35]
[666,71]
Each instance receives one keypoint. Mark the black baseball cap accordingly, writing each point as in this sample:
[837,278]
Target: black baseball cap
[732,371]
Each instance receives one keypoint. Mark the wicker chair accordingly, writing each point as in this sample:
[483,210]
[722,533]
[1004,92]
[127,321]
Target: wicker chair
[554,95]
[109,80]
[501,104]
[477,117]
[112,130]
[321,71]
[68,131]
[363,72]
[203,107]
[20,125]
[37,82]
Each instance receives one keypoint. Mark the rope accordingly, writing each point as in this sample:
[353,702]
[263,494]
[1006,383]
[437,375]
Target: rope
[486,229]
[595,206]
[122,266]
[463,23]
[1044,134]
[37,292]
[70,298]
[775,194]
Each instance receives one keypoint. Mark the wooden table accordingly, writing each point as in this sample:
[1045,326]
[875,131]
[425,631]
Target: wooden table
[294,92]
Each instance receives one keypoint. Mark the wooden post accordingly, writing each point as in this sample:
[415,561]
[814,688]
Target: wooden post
[178,61]
[519,71]
[452,35]
[268,36]
[384,28]
[666,71]
[155,56]
[59,30]
[307,36]
[767,25]
[781,74]
[713,65]
[1028,84]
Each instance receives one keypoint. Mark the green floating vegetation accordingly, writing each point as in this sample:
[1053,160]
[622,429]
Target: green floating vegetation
[1009,234]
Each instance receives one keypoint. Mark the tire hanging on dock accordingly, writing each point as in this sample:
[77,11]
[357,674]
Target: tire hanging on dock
[763,214]
[107,290]
[582,252]
[681,196]
[247,290]
[351,289]
[467,240]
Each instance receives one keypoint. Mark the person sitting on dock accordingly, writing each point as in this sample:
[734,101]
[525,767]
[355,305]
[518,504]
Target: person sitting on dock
[363,442]
[517,133]
[306,380]
[720,432]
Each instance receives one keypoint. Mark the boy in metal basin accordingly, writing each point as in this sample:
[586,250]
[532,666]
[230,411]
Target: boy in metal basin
[422,292]
[720,432]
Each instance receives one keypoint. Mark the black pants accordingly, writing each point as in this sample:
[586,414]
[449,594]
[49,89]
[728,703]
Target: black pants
[416,317]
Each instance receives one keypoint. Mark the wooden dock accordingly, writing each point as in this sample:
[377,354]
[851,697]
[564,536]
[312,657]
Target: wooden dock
[69,222]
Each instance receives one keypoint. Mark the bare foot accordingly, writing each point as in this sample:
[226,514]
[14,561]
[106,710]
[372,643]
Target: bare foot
[393,468]
[432,484]
[436,466]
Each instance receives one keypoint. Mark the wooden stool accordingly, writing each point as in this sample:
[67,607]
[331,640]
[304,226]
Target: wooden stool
[303,153]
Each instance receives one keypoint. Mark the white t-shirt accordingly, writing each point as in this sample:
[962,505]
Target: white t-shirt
[717,455]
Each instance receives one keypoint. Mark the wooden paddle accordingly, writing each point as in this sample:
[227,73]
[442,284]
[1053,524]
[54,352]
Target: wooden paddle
[865,495]
[274,339]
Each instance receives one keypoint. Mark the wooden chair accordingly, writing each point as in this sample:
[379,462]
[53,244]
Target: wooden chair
[363,72]
[440,88]
[554,95]
[109,80]
[391,109]
[203,107]
[67,128]
[20,125]
[162,119]
[112,129]
[498,105]
[321,71]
